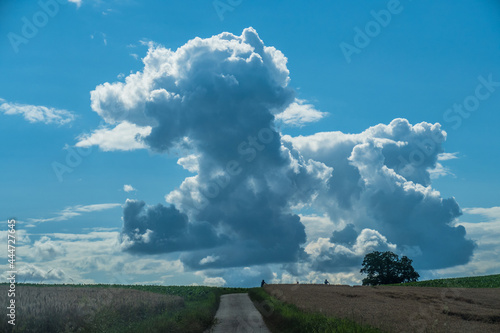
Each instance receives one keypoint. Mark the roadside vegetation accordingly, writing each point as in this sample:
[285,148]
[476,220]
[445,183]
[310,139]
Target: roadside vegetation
[287,318]
[113,308]
[487,281]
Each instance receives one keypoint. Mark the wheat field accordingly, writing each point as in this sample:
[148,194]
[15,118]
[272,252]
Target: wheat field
[77,309]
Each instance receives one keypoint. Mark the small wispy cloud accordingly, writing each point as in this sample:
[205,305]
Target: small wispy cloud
[107,11]
[75,211]
[447,156]
[37,113]
[128,188]
[298,114]
[439,171]
[492,213]
[208,260]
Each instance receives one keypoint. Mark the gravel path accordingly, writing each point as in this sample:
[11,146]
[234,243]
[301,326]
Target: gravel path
[237,314]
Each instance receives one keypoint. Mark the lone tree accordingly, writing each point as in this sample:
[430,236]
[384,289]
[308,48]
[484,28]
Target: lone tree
[387,268]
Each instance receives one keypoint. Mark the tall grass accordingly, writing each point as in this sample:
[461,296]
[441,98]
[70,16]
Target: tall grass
[287,318]
[66,309]
[113,308]
[487,281]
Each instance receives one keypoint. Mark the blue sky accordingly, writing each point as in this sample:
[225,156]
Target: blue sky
[422,61]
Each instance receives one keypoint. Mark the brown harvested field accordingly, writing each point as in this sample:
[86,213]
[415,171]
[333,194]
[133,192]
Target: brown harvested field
[400,309]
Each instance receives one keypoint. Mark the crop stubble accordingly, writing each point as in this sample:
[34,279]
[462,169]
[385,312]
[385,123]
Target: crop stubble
[400,309]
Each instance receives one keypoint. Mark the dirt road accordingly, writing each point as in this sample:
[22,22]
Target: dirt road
[237,314]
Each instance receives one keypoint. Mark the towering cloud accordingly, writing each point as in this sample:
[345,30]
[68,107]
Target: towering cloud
[215,101]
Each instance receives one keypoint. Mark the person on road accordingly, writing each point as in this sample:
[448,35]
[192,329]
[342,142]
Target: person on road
[326,281]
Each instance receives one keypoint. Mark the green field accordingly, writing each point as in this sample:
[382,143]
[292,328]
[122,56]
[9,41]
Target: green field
[488,281]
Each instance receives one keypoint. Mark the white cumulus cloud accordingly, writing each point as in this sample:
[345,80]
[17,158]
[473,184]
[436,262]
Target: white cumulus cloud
[216,101]
[124,136]
[214,281]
